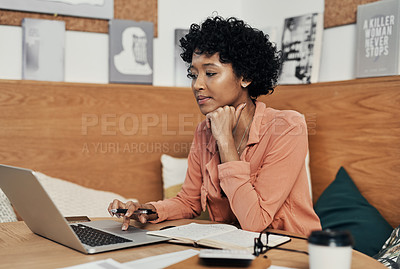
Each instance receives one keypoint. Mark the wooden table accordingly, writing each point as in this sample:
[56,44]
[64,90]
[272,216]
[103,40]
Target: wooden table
[20,248]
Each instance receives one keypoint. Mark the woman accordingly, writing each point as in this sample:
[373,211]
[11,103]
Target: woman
[247,162]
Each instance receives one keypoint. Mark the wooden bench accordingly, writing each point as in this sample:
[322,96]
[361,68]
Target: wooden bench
[110,137]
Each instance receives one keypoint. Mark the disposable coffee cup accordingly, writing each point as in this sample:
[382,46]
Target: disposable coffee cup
[330,249]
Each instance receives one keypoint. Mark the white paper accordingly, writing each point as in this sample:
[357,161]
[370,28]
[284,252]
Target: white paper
[162,261]
[194,231]
[242,239]
[238,238]
[101,264]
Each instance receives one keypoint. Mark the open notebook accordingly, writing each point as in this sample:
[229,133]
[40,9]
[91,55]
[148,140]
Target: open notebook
[222,236]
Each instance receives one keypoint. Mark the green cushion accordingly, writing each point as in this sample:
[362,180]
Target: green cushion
[342,207]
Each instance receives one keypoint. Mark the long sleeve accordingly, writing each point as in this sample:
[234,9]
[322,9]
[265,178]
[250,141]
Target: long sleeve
[187,203]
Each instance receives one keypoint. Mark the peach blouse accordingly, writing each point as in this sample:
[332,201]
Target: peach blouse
[268,187]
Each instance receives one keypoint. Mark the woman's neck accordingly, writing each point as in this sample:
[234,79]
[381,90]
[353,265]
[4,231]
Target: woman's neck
[242,130]
[247,115]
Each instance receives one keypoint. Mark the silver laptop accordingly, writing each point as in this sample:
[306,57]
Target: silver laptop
[43,218]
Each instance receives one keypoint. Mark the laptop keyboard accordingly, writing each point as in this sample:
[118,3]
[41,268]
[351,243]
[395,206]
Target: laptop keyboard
[94,238]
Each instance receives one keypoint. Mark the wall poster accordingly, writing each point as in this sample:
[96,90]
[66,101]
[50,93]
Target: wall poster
[100,9]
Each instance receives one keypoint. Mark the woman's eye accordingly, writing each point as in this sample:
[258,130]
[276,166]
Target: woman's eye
[191,76]
[210,74]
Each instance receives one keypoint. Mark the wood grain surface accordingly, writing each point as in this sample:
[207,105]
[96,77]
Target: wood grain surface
[107,137]
[20,248]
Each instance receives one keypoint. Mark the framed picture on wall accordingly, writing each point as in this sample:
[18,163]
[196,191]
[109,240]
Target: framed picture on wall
[100,9]
[131,51]
[181,79]
[43,49]
[301,49]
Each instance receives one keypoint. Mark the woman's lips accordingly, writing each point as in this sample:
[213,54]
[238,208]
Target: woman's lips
[202,99]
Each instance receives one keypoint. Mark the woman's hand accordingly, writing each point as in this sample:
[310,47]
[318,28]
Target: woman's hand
[131,207]
[222,123]
[223,120]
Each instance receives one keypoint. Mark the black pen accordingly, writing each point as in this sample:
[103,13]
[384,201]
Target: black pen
[139,211]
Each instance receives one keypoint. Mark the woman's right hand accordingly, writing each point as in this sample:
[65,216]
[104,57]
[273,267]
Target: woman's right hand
[131,207]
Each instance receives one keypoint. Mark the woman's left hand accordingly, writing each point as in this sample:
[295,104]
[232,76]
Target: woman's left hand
[223,120]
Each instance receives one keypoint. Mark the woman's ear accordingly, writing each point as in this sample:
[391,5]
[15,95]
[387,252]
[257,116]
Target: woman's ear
[245,83]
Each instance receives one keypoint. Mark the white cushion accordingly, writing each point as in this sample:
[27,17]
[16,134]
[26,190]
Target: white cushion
[173,174]
[75,200]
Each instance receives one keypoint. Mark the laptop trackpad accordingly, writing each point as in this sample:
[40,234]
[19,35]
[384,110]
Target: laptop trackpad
[115,228]
[138,236]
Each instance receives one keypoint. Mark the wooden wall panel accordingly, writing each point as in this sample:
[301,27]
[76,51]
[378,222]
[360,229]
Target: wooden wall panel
[111,136]
[137,10]
[342,12]
[354,124]
[107,137]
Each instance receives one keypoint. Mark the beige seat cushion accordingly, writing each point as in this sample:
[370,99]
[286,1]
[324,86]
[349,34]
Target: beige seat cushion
[75,200]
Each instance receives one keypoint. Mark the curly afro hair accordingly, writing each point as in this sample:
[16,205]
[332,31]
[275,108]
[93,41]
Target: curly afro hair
[249,50]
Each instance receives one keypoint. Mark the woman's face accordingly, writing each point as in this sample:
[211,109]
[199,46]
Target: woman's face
[214,84]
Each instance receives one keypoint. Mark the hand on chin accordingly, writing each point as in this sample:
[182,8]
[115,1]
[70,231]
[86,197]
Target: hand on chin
[223,120]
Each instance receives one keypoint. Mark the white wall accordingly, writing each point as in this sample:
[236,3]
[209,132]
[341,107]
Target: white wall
[10,52]
[86,57]
[87,53]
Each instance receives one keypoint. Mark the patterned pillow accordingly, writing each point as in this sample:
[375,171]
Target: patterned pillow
[7,213]
[75,200]
[389,255]
[71,199]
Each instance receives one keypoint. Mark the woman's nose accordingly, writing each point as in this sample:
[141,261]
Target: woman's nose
[198,83]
